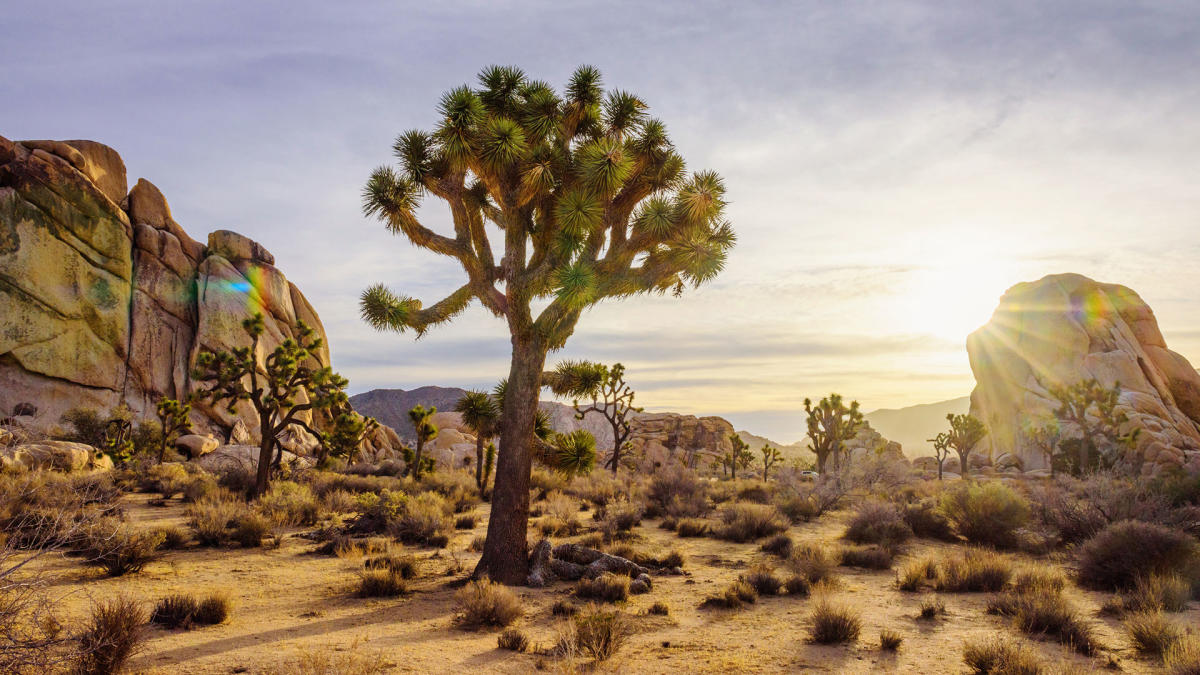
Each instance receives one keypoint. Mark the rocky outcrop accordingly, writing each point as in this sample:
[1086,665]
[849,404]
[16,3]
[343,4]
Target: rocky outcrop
[105,299]
[868,442]
[1066,328]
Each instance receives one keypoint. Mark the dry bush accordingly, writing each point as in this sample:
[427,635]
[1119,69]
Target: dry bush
[542,482]
[200,487]
[1122,552]
[780,545]
[167,480]
[597,487]
[1168,592]
[290,503]
[620,517]
[925,519]
[384,582]
[986,513]
[867,557]
[213,609]
[600,633]
[424,519]
[692,527]
[513,639]
[802,500]
[1039,580]
[483,603]
[560,516]
[736,596]
[323,662]
[250,529]
[973,571]
[1000,657]
[1183,657]
[404,565]
[118,549]
[890,640]
[931,608]
[917,574]
[111,637]
[210,519]
[876,522]
[477,543]
[833,623]
[1152,633]
[339,501]
[564,608]
[659,608]
[747,522]
[173,537]
[607,587]
[812,561]
[763,579]
[174,611]
[466,522]
[1041,611]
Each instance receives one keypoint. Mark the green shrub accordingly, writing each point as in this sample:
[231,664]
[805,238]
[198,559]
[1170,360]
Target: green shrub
[877,522]
[986,513]
[833,623]
[1122,552]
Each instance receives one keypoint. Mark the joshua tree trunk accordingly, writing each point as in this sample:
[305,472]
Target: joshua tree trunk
[821,457]
[618,441]
[941,460]
[504,558]
[962,462]
[415,469]
[479,461]
[265,455]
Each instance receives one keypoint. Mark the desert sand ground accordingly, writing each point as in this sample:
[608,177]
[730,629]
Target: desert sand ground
[293,608]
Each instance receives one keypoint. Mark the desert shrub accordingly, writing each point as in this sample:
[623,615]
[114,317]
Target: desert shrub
[466,522]
[111,637]
[986,513]
[916,574]
[620,517]
[237,479]
[477,543]
[833,623]
[564,608]
[339,501]
[174,611]
[1167,592]
[1040,611]
[763,579]
[597,487]
[1124,551]
[1183,657]
[210,519]
[484,603]
[1069,516]
[404,565]
[931,608]
[973,571]
[560,515]
[117,548]
[543,482]
[607,587]
[173,537]
[801,500]
[780,545]
[513,639]
[797,584]
[290,503]
[167,480]
[250,529]
[752,490]
[381,583]
[600,633]
[867,557]
[877,522]
[692,527]
[200,487]
[812,561]
[736,596]
[926,519]
[672,559]
[677,492]
[423,519]
[1000,657]
[1038,580]
[890,640]
[1152,633]
[659,608]
[213,609]
[747,522]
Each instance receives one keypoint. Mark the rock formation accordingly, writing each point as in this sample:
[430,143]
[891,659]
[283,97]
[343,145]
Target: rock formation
[1066,328]
[106,300]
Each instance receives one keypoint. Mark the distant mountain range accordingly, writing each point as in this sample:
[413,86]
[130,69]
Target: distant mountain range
[909,426]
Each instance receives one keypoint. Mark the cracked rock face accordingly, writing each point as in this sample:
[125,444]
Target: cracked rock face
[1066,328]
[105,299]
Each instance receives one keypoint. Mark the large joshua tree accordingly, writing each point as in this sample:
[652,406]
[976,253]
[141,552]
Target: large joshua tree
[830,424]
[590,201]
[1091,408]
[611,397]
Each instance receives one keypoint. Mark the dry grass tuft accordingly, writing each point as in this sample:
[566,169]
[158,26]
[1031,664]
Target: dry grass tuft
[747,522]
[659,608]
[871,557]
[973,571]
[607,587]
[931,608]
[1043,611]
[737,595]
[381,583]
[763,579]
[513,639]
[483,603]
[1183,657]
[692,527]
[833,623]
[1152,633]
[600,633]
[890,640]
[1000,657]
[780,545]
[110,638]
[876,522]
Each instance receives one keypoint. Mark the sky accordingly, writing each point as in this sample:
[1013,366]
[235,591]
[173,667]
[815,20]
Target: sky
[892,167]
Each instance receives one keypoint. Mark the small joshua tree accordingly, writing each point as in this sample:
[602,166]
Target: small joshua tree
[941,450]
[1044,436]
[482,415]
[426,431]
[965,433]
[611,397]
[282,391]
[738,456]
[349,431]
[1092,409]
[173,418]
[830,424]
[770,457]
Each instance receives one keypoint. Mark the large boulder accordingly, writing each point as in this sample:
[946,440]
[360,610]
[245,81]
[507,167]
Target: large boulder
[244,457]
[1066,328]
[195,446]
[53,455]
[106,299]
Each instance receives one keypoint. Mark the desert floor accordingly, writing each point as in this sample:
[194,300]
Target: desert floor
[295,610]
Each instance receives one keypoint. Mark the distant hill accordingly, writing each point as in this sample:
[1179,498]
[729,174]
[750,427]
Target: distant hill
[391,406]
[794,450]
[912,426]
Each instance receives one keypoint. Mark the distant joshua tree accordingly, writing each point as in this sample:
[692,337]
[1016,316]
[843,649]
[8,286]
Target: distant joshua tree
[610,395]
[738,456]
[770,457]
[426,431]
[1092,409]
[173,421]
[349,432]
[482,415]
[966,431]
[1045,436]
[282,389]
[591,201]
[830,424]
